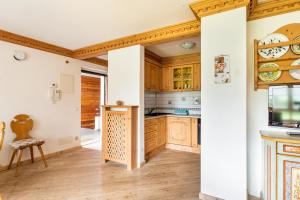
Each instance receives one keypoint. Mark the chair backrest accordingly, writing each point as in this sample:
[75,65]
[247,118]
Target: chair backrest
[2,128]
[21,125]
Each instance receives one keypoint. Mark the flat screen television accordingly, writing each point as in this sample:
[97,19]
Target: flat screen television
[284,106]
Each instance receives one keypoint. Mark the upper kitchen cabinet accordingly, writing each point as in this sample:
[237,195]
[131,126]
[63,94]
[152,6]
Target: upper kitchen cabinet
[152,72]
[182,78]
[171,74]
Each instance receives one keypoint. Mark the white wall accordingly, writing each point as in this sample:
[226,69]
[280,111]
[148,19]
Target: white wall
[258,100]
[24,89]
[223,107]
[126,83]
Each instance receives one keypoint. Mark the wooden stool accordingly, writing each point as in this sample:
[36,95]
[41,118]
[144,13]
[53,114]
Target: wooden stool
[21,126]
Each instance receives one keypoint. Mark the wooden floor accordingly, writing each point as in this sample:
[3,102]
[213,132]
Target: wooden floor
[80,175]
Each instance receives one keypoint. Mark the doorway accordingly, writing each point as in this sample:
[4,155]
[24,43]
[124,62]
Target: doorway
[92,97]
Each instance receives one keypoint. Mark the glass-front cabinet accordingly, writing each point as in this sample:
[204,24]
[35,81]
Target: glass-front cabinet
[182,77]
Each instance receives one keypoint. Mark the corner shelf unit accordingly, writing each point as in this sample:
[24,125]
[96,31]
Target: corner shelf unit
[291,31]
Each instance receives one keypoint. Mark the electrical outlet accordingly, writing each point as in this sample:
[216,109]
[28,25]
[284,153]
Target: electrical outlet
[169,102]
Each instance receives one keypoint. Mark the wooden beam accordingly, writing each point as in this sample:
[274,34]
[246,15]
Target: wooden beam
[97,61]
[165,34]
[209,7]
[32,43]
[272,8]
[36,44]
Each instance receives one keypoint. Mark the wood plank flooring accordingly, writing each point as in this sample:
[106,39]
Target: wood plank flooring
[80,175]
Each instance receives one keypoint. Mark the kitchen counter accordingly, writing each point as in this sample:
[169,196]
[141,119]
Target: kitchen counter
[173,115]
[279,136]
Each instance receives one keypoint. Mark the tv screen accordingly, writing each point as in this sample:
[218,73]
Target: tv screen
[284,106]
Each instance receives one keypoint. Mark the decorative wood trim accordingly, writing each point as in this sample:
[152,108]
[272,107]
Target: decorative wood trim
[209,7]
[97,61]
[32,43]
[43,46]
[182,59]
[169,33]
[152,56]
[291,149]
[272,8]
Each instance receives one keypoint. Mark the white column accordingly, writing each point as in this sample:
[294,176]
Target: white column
[223,107]
[126,83]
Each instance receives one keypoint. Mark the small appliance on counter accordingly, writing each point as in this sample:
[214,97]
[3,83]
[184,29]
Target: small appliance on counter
[181,112]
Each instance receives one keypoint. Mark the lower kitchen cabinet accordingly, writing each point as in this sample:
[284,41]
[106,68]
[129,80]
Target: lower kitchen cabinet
[179,131]
[281,161]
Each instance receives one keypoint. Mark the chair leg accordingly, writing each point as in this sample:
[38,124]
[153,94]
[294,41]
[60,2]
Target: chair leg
[42,155]
[19,161]
[12,159]
[31,154]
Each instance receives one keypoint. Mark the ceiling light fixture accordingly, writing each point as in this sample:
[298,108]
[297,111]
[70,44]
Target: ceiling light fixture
[188,45]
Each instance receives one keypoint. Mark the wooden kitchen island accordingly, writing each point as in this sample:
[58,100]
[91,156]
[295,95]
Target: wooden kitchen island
[281,164]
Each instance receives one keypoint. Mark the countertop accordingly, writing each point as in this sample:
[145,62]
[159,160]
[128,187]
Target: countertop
[173,115]
[279,136]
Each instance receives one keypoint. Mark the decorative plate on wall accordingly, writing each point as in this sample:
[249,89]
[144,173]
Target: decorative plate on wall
[275,52]
[296,47]
[269,76]
[295,73]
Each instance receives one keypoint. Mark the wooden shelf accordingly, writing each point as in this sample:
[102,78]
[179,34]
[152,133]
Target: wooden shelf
[291,31]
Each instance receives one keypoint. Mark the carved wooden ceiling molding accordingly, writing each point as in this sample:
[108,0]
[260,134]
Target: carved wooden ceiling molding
[36,44]
[164,34]
[272,8]
[209,7]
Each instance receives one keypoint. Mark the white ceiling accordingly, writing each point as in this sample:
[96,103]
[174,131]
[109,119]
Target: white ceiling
[77,23]
[174,49]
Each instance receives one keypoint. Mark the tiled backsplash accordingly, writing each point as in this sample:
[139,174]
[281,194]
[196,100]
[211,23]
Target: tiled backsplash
[169,101]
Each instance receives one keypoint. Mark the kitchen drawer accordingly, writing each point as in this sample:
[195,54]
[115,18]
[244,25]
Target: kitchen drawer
[288,149]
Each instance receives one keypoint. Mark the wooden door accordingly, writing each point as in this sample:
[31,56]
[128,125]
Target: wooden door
[179,131]
[90,101]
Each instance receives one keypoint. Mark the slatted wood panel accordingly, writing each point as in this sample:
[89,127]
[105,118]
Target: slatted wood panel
[90,101]
[116,136]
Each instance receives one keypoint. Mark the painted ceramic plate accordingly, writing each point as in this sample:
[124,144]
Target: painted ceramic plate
[295,73]
[269,76]
[275,52]
[296,47]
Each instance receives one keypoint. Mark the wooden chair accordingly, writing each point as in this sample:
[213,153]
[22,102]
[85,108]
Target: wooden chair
[21,126]
[2,128]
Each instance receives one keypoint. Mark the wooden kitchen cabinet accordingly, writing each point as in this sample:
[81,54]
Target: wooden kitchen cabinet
[152,77]
[197,77]
[166,79]
[161,138]
[179,131]
[147,78]
[155,134]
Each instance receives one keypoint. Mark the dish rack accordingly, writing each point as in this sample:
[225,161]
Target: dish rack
[283,64]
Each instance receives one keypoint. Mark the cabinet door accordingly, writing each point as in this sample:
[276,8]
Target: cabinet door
[288,178]
[147,76]
[197,77]
[166,77]
[161,138]
[177,83]
[151,134]
[179,131]
[194,132]
[154,77]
